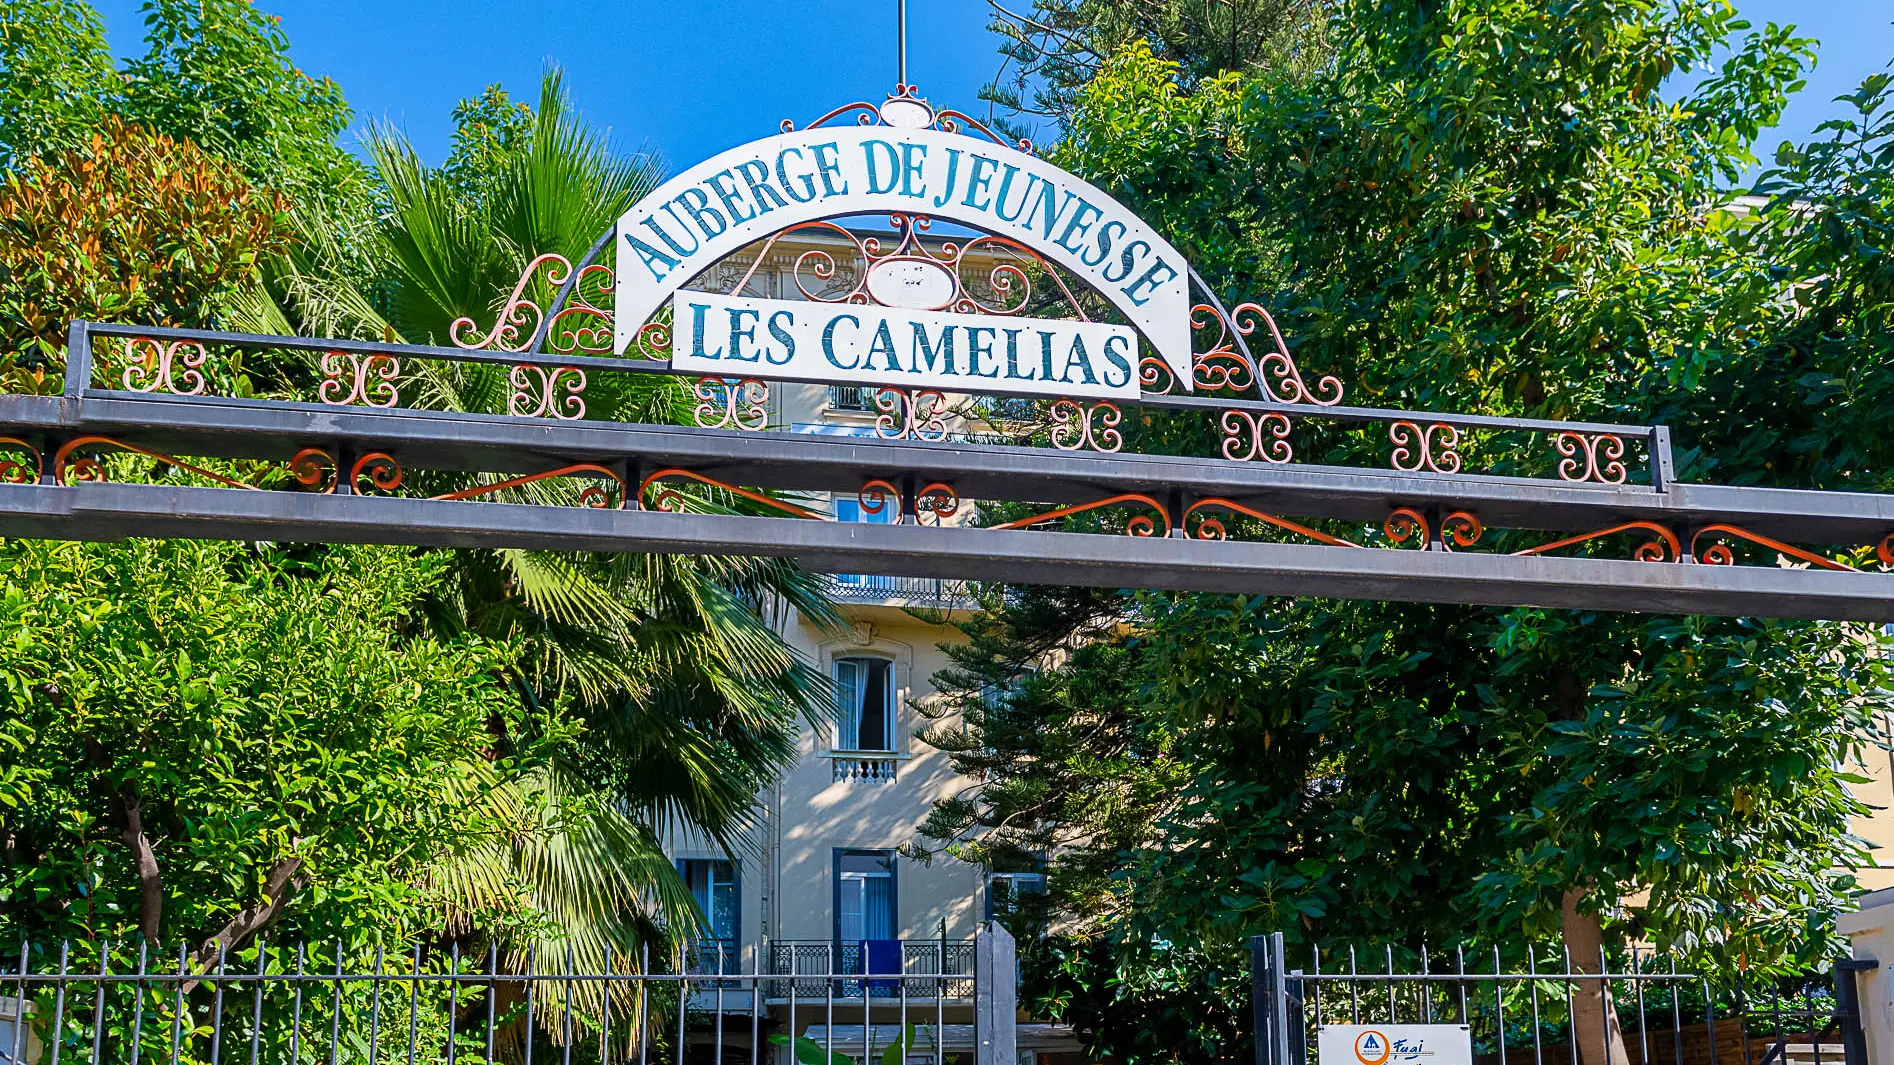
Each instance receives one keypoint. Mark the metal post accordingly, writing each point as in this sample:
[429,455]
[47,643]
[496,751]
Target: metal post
[1260,975]
[78,359]
[995,997]
[901,42]
[1663,466]
[1269,1002]
[1854,1042]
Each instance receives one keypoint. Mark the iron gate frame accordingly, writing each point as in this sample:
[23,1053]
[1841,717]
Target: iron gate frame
[1286,1004]
[1428,558]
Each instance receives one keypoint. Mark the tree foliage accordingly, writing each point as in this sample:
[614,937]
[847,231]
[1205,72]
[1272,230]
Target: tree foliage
[129,226]
[1497,207]
[200,735]
[56,75]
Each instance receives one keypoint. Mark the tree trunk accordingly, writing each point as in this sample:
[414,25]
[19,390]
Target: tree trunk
[1594,1018]
[145,861]
[284,879]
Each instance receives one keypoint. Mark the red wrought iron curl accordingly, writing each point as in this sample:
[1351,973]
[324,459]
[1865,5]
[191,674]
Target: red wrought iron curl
[1721,555]
[13,471]
[1460,528]
[672,501]
[308,465]
[69,470]
[381,469]
[1403,523]
[1137,526]
[592,496]
[1650,551]
[1212,529]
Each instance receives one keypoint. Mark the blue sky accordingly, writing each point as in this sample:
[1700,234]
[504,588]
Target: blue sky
[688,79]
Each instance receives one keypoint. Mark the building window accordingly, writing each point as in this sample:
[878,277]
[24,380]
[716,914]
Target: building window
[864,698]
[862,585]
[864,897]
[713,885]
[1005,891]
[851,397]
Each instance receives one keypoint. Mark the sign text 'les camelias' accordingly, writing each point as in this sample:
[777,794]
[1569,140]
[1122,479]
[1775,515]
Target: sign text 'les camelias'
[739,336]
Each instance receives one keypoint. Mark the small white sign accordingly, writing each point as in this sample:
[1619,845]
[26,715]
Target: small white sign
[740,336]
[1394,1044]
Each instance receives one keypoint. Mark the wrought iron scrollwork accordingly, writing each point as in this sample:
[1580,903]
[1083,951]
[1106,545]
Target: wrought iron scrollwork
[877,495]
[1417,448]
[1662,547]
[1139,525]
[654,340]
[381,469]
[1591,457]
[910,414]
[315,468]
[1267,436]
[1210,528]
[1406,523]
[12,470]
[154,366]
[1721,555]
[366,380]
[932,505]
[69,468]
[906,109]
[938,269]
[725,404]
[1086,426]
[938,500]
[536,392]
[671,500]
[592,495]
[1155,376]
[1460,529]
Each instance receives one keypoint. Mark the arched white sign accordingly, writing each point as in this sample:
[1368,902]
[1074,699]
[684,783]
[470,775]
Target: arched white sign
[743,195]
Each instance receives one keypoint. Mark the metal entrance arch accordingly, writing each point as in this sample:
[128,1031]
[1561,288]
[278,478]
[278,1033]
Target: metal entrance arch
[1584,515]
[343,468]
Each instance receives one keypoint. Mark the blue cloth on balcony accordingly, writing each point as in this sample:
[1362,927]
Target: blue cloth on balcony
[881,956]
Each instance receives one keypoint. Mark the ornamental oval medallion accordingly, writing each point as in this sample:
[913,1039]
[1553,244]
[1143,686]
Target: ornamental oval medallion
[905,112]
[911,284]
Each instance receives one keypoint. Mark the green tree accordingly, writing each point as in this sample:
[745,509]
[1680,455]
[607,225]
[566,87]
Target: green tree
[1054,48]
[216,74]
[56,76]
[208,739]
[129,226]
[691,701]
[1485,207]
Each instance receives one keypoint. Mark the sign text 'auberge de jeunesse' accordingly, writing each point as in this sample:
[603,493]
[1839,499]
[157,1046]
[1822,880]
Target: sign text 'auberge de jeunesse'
[745,194]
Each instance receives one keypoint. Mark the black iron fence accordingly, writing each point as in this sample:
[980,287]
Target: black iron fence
[930,592]
[91,1003]
[1633,1008]
[945,966]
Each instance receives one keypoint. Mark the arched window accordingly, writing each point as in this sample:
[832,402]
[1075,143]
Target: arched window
[864,697]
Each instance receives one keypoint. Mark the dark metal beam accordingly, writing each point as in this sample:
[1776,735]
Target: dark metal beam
[208,427]
[116,511]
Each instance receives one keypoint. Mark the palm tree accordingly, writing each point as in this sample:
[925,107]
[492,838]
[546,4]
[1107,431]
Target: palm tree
[688,697]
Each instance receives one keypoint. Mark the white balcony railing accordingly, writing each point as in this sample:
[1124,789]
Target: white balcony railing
[867,768]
